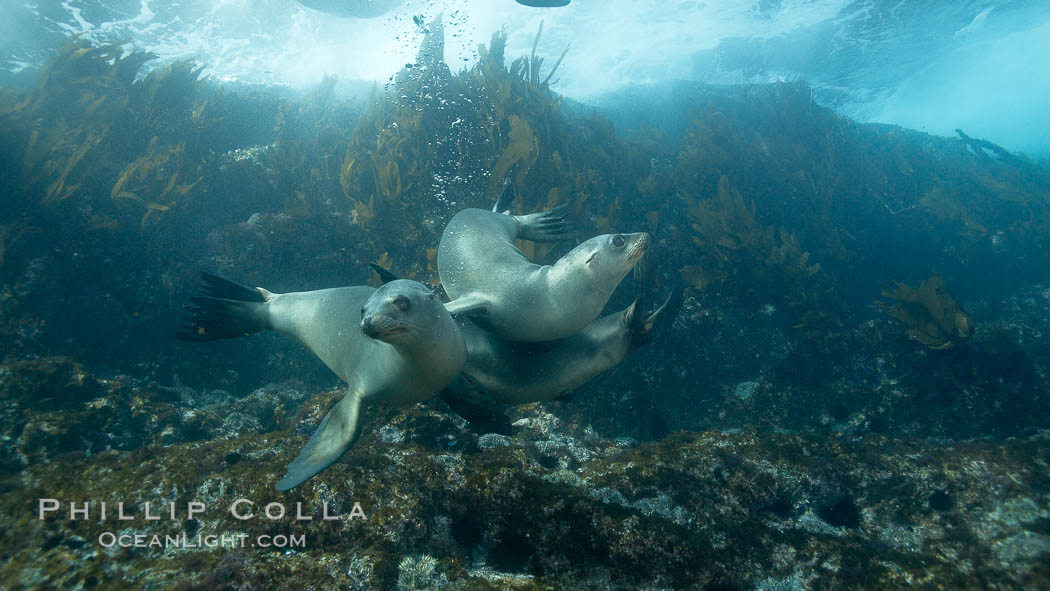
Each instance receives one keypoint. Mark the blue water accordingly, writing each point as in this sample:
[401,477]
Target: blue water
[978,65]
[848,381]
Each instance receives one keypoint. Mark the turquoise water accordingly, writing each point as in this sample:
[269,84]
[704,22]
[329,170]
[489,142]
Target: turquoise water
[848,212]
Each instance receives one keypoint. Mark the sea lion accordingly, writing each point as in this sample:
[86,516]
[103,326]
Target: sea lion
[488,279]
[394,345]
[513,372]
[502,372]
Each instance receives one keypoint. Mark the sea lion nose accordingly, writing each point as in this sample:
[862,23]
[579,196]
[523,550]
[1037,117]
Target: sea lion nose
[368,326]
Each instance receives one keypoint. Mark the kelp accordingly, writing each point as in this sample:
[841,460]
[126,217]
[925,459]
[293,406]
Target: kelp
[807,185]
[307,154]
[433,142]
[139,180]
[91,117]
[930,313]
[820,187]
[521,152]
[737,255]
[60,188]
[10,234]
[946,209]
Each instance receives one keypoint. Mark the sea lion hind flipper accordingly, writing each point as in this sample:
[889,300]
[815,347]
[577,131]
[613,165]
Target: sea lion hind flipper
[218,287]
[471,306]
[336,433]
[211,319]
[506,196]
[223,309]
[470,400]
[546,226]
[645,327]
[385,275]
[663,317]
[638,312]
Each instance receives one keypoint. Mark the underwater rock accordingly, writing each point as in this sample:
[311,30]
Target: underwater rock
[688,512]
[46,383]
[54,408]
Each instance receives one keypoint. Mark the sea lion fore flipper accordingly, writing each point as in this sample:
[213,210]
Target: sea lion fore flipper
[336,433]
[546,226]
[471,306]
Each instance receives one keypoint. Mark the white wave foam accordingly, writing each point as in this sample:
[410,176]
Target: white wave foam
[870,55]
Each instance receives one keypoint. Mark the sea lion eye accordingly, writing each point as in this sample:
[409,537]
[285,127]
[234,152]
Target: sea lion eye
[402,303]
[618,240]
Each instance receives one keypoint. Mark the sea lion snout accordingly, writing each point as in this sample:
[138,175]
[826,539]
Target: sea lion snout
[638,246]
[378,326]
[644,239]
[368,326]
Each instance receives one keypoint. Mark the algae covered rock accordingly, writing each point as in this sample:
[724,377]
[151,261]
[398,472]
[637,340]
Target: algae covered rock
[554,506]
[46,383]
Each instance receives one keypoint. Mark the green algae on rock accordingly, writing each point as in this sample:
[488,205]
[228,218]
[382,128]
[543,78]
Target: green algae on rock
[693,510]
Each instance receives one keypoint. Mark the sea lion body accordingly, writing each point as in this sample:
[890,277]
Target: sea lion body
[394,345]
[514,372]
[490,280]
[500,372]
[519,373]
[328,322]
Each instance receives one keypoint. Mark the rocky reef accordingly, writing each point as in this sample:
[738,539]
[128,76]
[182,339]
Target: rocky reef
[425,503]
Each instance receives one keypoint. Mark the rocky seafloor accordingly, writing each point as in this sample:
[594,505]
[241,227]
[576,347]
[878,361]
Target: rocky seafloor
[554,505]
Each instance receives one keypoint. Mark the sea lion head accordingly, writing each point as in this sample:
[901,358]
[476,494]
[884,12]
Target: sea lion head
[403,312]
[609,256]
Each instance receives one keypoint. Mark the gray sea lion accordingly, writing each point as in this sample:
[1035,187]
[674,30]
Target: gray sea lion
[393,345]
[488,279]
[511,372]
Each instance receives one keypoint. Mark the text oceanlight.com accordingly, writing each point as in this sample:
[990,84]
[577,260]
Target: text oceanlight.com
[110,539]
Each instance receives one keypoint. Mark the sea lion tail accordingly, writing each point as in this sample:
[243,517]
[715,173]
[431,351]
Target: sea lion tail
[222,309]
[337,432]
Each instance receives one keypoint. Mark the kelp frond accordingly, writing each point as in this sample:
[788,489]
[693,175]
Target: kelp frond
[932,315]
